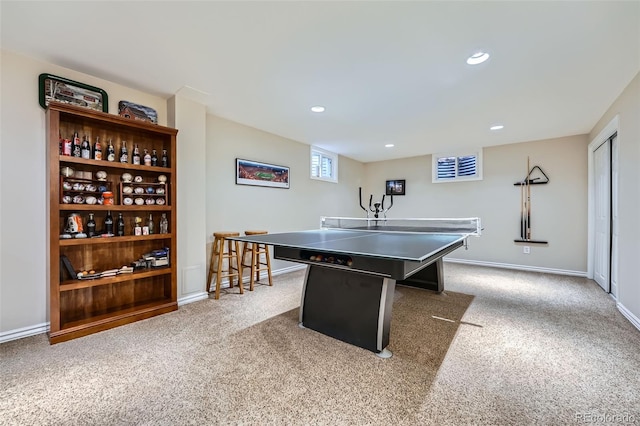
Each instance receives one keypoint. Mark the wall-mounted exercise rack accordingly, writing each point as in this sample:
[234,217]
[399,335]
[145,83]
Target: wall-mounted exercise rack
[525,202]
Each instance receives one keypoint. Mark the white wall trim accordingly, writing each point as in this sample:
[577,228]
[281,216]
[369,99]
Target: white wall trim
[519,267]
[612,127]
[292,268]
[629,315]
[193,298]
[20,333]
[245,279]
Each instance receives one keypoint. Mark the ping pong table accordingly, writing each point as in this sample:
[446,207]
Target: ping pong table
[354,264]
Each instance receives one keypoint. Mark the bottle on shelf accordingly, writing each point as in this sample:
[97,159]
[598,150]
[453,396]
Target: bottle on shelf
[164,224]
[108,223]
[124,154]
[97,149]
[165,159]
[111,152]
[154,158]
[135,157]
[85,149]
[137,228]
[91,226]
[147,157]
[151,224]
[120,225]
[75,145]
[67,147]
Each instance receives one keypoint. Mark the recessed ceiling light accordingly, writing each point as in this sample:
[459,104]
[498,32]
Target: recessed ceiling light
[389,145]
[477,58]
[317,108]
[497,127]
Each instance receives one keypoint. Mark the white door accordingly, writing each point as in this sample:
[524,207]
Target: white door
[602,255]
[614,216]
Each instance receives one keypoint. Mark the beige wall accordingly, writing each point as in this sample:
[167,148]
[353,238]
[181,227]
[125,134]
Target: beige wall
[627,108]
[190,117]
[558,208]
[232,207]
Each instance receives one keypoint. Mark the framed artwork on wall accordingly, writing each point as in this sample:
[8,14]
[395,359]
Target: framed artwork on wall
[60,89]
[139,112]
[395,187]
[261,174]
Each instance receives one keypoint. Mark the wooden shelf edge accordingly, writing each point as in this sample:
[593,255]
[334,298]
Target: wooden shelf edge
[110,118]
[111,240]
[114,165]
[114,207]
[104,322]
[78,284]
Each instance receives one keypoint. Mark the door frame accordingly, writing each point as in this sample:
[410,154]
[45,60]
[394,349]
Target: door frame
[609,130]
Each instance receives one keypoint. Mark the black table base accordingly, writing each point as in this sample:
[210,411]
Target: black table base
[349,306]
[354,303]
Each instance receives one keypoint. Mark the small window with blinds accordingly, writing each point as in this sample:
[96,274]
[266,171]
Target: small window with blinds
[457,167]
[324,165]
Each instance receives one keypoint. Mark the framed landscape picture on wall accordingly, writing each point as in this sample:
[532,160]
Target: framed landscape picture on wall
[261,174]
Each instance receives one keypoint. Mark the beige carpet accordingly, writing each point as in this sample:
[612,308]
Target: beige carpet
[504,347]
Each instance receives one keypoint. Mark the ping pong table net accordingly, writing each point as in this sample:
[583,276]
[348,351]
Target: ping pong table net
[465,226]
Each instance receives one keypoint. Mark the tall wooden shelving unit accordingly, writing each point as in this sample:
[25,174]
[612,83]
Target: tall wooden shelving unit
[78,307]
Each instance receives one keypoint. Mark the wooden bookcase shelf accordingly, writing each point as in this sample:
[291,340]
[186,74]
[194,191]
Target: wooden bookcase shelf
[86,207]
[108,318]
[76,284]
[111,240]
[81,307]
[103,164]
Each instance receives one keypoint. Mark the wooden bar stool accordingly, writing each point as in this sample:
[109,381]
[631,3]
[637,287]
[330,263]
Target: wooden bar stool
[256,251]
[219,253]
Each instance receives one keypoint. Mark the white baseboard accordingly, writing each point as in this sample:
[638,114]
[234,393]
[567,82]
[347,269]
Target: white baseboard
[296,267]
[193,298]
[20,333]
[629,315]
[245,280]
[519,267]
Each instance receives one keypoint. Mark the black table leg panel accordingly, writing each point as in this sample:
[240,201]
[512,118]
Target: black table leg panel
[349,306]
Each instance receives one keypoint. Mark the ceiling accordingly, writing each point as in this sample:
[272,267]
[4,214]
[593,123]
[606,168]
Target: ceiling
[387,72]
